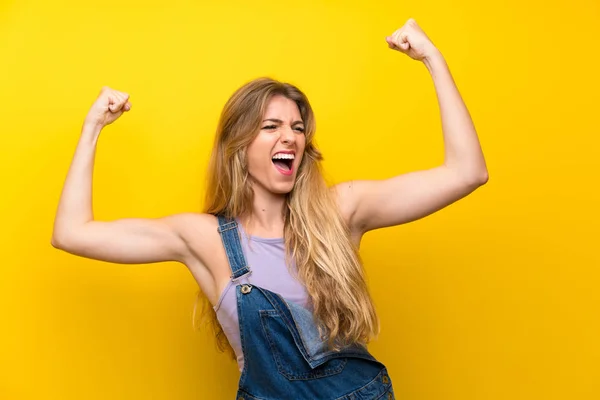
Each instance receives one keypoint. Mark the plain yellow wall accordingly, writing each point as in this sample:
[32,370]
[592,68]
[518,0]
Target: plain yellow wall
[495,297]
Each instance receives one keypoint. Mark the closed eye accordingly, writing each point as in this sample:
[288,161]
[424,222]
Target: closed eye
[270,127]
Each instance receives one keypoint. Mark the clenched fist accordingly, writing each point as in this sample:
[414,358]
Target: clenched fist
[412,41]
[109,106]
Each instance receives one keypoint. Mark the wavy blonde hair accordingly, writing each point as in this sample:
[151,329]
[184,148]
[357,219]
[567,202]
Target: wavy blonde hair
[316,236]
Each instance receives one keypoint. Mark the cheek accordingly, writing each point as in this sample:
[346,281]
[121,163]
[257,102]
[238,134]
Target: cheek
[257,154]
[253,160]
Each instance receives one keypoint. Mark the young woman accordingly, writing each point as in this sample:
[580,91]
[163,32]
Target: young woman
[275,252]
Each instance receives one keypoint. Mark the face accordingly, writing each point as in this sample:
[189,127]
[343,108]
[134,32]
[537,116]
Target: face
[275,154]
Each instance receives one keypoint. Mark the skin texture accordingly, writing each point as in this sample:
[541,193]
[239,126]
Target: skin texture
[282,130]
[192,239]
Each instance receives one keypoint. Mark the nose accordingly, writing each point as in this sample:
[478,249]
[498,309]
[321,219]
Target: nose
[288,136]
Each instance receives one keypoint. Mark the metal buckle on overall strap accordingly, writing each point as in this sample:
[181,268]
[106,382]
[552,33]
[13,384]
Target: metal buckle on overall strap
[241,276]
[246,288]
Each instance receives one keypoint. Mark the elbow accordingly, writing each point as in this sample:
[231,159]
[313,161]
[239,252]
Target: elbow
[475,179]
[55,242]
[59,239]
[64,235]
[472,174]
[68,245]
[482,178]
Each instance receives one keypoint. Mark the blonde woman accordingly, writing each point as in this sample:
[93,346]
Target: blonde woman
[275,252]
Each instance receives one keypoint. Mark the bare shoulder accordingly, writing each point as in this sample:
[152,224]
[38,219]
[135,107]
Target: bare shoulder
[198,231]
[193,223]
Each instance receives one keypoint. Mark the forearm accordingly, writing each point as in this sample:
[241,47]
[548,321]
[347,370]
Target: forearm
[462,150]
[75,204]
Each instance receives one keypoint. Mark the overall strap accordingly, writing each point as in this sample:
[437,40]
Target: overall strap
[231,241]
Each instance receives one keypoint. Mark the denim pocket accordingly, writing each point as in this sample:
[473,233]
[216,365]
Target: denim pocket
[286,354]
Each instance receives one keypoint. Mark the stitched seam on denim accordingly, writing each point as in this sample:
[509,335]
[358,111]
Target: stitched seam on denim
[314,361]
[278,307]
[227,227]
[300,344]
[364,356]
[310,357]
[242,338]
[371,382]
[233,248]
[233,252]
[290,375]
[282,367]
[225,223]
[293,332]
[306,376]
[248,395]
[386,392]
[272,346]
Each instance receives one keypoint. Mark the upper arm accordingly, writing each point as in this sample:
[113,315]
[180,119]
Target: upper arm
[372,204]
[129,240]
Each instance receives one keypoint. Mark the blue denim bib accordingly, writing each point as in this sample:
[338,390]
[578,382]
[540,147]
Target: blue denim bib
[284,356]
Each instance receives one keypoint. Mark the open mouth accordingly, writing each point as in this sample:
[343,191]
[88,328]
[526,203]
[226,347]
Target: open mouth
[283,162]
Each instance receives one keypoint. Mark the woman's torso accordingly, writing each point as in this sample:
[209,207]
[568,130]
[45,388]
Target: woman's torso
[207,261]
[286,355]
[266,260]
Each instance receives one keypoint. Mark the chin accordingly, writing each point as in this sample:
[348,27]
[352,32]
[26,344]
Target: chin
[274,184]
[282,187]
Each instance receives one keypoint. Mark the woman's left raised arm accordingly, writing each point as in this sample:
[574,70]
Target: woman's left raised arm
[368,205]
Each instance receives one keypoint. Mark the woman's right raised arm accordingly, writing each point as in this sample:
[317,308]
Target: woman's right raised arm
[126,241]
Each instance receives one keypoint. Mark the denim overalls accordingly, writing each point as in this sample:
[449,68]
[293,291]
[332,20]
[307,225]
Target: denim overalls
[284,356]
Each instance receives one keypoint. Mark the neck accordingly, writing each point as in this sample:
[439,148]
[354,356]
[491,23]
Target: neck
[266,219]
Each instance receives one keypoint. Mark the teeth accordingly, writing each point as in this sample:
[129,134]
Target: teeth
[282,156]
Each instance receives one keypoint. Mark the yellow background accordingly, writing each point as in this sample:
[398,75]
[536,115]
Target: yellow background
[495,297]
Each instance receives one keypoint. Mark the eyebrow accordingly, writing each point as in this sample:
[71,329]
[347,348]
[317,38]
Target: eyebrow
[280,121]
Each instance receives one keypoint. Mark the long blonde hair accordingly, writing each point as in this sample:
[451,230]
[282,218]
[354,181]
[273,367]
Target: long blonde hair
[316,236]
